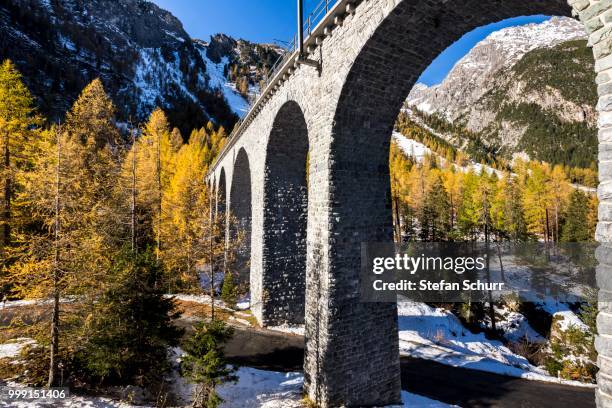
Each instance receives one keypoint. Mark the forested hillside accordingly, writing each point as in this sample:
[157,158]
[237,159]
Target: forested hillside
[522,92]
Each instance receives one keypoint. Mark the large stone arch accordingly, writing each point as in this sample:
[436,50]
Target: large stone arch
[221,193]
[388,62]
[241,210]
[211,186]
[285,210]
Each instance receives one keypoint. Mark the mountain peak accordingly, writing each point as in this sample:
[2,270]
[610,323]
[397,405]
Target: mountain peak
[472,75]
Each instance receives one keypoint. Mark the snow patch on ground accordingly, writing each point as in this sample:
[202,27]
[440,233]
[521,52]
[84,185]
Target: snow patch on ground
[269,389]
[254,388]
[22,303]
[14,347]
[566,319]
[436,334]
[257,388]
[244,303]
[515,326]
[411,148]
[419,152]
[413,401]
[301,330]
[31,302]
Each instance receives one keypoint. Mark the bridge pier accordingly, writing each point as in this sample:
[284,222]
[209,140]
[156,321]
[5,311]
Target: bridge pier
[285,210]
[352,351]
[240,205]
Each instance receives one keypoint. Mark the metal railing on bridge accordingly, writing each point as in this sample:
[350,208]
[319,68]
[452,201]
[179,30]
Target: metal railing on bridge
[312,21]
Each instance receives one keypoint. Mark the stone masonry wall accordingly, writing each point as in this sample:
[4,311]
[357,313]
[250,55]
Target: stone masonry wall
[285,216]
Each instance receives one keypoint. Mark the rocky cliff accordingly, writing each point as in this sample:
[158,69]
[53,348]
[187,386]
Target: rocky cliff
[524,90]
[141,52]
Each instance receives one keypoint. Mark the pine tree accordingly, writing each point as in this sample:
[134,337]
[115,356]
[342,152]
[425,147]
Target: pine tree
[92,118]
[435,214]
[193,231]
[559,192]
[187,214]
[507,214]
[204,363]
[72,251]
[130,329]
[229,291]
[468,213]
[90,125]
[576,227]
[17,118]
[396,167]
[535,200]
[155,157]
[176,140]
[62,258]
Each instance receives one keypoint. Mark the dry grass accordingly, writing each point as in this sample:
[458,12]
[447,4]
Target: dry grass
[535,353]
[194,312]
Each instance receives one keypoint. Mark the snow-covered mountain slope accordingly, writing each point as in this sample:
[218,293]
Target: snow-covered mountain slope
[218,80]
[418,151]
[527,90]
[474,74]
[141,53]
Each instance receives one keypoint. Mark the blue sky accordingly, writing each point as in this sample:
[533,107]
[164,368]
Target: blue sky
[270,20]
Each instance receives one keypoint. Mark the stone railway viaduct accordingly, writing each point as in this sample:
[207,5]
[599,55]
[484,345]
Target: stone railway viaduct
[336,120]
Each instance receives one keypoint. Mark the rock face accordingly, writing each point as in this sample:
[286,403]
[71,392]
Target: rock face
[254,60]
[476,73]
[514,76]
[141,52]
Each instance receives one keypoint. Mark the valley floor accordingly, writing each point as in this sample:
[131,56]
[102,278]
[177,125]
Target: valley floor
[441,361]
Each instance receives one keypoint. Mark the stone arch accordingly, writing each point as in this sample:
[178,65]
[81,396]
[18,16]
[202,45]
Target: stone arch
[212,190]
[404,43]
[221,193]
[240,208]
[283,277]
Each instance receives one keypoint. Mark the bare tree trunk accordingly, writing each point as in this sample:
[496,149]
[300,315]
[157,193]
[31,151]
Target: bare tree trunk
[452,214]
[547,227]
[55,320]
[398,222]
[487,240]
[6,200]
[133,207]
[159,200]
[501,264]
[557,222]
[211,261]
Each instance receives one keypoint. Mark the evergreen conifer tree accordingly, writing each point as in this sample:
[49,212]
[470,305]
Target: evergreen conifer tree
[130,329]
[435,214]
[17,118]
[205,364]
[576,227]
